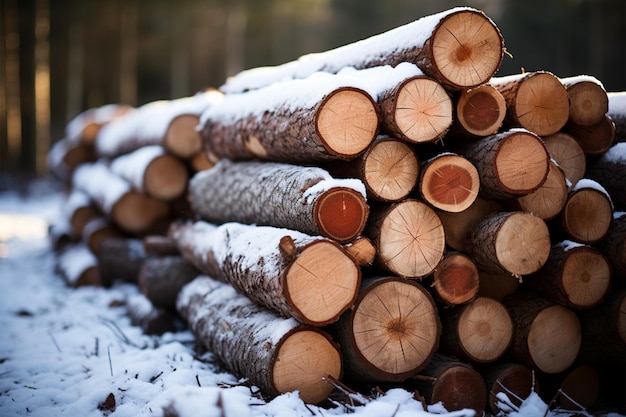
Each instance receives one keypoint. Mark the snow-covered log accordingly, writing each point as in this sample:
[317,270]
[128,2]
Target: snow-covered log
[288,196]
[617,113]
[161,278]
[84,127]
[274,353]
[310,278]
[64,156]
[460,47]
[77,265]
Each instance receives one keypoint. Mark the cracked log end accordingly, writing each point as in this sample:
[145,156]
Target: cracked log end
[542,104]
[522,163]
[341,213]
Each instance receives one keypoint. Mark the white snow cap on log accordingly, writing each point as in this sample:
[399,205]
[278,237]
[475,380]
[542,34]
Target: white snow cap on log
[97,180]
[617,152]
[617,102]
[132,166]
[75,260]
[100,115]
[582,78]
[405,37]
[77,198]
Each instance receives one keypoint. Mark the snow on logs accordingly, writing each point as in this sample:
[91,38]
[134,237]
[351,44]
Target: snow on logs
[277,354]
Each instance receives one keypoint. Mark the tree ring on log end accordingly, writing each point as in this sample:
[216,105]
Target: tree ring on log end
[455,399]
[166,178]
[481,110]
[522,163]
[541,104]
[588,103]
[135,213]
[396,326]
[341,213]
[587,215]
[303,360]
[522,243]
[347,122]
[181,138]
[391,169]
[568,154]
[466,48]
[551,330]
[586,276]
[456,279]
[485,329]
[322,282]
[450,183]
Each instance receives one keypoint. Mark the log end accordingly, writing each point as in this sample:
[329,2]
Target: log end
[181,138]
[516,382]
[548,200]
[541,104]
[136,213]
[391,170]
[166,178]
[587,215]
[588,103]
[460,387]
[341,213]
[481,110]
[568,154]
[449,182]
[586,276]
[456,279]
[595,139]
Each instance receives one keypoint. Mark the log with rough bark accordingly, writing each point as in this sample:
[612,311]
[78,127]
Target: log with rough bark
[497,285]
[132,211]
[548,200]
[575,276]
[609,170]
[614,246]
[276,354]
[509,164]
[321,118]
[294,197]
[78,266]
[85,126]
[389,169]
[517,242]
[508,384]
[588,100]
[310,278]
[161,278]
[594,139]
[568,154]
[536,101]
[588,212]
[391,333]
[617,113]
[362,250]
[449,182]
[151,319]
[455,280]
[120,259]
[478,112]
[152,171]
[453,383]
[408,236]
[547,336]
[460,47]
[478,332]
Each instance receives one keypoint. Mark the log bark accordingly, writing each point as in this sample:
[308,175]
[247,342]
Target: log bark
[120,258]
[576,276]
[300,198]
[460,47]
[391,333]
[548,200]
[160,279]
[588,212]
[408,236]
[478,112]
[609,170]
[613,246]
[568,154]
[133,212]
[617,113]
[153,172]
[513,380]
[547,336]
[594,139]
[588,100]
[389,169]
[78,266]
[453,383]
[331,120]
[455,280]
[497,285]
[151,320]
[536,101]
[310,278]
[509,164]
[449,182]
[478,332]
[276,354]
[517,242]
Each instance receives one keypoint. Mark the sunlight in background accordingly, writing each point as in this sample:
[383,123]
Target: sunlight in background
[20,226]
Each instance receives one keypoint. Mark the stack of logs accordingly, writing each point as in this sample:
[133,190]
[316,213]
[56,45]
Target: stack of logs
[388,213]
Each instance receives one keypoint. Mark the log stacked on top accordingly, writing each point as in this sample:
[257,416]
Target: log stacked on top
[388,212]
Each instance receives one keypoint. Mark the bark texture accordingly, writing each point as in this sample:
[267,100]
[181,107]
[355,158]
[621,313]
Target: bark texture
[160,279]
[609,170]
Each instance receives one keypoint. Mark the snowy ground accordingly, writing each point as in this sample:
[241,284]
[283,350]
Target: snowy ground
[73,352]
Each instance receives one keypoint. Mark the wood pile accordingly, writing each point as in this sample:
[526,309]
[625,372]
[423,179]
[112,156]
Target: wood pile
[388,213]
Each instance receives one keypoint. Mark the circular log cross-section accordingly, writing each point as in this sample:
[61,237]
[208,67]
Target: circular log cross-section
[455,279]
[588,101]
[514,380]
[596,139]
[480,111]
[588,213]
[181,138]
[548,200]
[466,49]
[340,214]
[449,182]
[136,213]
[347,122]
[166,178]
[568,154]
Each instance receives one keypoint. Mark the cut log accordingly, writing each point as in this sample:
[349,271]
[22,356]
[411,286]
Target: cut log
[362,250]
[151,320]
[536,101]
[479,331]
[617,113]
[568,154]
[497,285]
[160,279]
[78,266]
[513,381]
[306,199]
[310,278]
[455,280]
[153,172]
[391,332]
[458,227]
[609,170]
[64,157]
[548,200]
[517,242]
[120,259]
[200,162]
[96,230]
[547,336]
[408,236]
[449,182]
[613,246]
[276,354]
[303,122]
[594,139]
[389,169]
[85,126]
[576,389]
[588,212]
[454,383]
[575,276]
[604,331]
[132,211]
[78,210]
[509,164]
[460,47]
[159,245]
[478,112]
[588,100]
